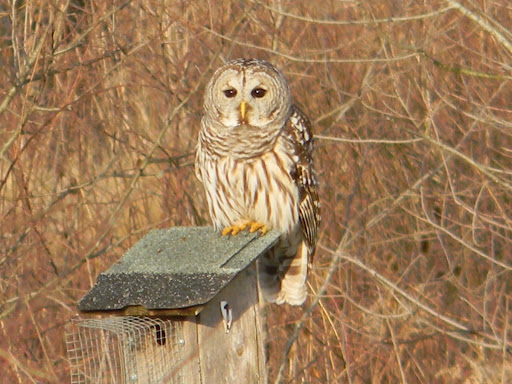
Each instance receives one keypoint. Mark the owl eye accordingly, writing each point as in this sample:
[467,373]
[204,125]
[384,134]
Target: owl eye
[258,92]
[229,93]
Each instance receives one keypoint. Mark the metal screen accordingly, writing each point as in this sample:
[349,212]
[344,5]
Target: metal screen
[119,350]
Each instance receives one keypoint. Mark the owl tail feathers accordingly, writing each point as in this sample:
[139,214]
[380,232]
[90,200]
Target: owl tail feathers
[291,287]
[293,283]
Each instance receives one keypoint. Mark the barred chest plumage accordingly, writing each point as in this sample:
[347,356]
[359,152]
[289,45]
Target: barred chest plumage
[258,189]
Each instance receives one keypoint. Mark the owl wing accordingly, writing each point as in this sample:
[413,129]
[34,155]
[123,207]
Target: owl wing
[299,129]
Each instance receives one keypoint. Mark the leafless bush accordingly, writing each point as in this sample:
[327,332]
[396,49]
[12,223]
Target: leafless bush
[99,110]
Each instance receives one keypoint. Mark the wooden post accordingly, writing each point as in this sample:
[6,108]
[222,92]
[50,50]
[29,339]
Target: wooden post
[214,356]
[202,289]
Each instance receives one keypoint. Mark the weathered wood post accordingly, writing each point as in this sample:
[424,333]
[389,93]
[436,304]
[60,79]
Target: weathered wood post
[181,306]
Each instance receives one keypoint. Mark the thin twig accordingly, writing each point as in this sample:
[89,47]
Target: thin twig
[355,22]
[483,23]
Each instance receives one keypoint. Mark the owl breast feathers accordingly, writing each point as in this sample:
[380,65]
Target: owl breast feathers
[254,157]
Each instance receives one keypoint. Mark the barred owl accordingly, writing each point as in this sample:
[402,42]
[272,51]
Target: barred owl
[254,157]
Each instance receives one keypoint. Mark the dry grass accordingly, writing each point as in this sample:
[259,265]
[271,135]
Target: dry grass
[100,105]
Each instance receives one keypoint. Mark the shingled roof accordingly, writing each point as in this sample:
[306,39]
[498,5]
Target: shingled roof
[177,270]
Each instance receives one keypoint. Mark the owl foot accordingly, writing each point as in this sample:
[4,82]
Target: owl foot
[252,225]
[255,226]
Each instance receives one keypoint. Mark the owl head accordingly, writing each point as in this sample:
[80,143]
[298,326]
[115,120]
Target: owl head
[247,94]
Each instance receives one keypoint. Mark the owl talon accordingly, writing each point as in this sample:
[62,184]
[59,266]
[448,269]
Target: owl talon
[231,230]
[253,226]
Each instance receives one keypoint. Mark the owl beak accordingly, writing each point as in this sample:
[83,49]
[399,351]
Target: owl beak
[243,109]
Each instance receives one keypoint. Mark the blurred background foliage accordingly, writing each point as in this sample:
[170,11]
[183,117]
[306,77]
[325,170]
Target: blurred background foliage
[100,103]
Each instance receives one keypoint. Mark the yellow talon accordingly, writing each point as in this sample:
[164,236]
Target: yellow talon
[258,226]
[231,230]
[253,227]
[225,231]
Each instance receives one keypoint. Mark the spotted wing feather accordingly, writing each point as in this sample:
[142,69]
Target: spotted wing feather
[299,128]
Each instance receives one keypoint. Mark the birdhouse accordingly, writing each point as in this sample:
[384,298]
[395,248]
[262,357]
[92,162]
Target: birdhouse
[180,306]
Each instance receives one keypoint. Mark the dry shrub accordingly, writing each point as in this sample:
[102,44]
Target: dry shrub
[100,108]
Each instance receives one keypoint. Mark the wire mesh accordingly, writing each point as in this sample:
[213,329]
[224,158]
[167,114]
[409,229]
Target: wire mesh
[124,350]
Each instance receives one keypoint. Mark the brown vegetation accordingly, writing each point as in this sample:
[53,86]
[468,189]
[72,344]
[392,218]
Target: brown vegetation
[100,105]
